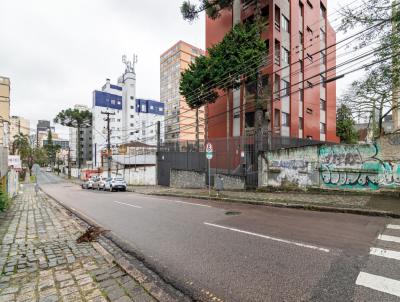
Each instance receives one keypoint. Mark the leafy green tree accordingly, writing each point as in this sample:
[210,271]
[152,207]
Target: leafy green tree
[40,156]
[224,66]
[373,95]
[51,149]
[371,98]
[345,125]
[78,119]
[213,10]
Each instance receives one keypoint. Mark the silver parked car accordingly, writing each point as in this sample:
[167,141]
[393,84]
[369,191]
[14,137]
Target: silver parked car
[115,184]
[100,183]
[89,183]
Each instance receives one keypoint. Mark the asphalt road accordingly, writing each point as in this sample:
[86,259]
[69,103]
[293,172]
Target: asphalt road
[229,252]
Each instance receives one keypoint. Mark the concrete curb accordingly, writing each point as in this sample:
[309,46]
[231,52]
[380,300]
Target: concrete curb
[160,294]
[299,206]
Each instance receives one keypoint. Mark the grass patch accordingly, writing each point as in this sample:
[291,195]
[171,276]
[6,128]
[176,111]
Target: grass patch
[32,178]
[4,201]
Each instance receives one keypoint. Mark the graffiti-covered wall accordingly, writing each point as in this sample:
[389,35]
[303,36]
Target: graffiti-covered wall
[350,167]
[296,166]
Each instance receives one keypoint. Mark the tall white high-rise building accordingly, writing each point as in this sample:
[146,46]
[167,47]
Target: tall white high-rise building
[131,119]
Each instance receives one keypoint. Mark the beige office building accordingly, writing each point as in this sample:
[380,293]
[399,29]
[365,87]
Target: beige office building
[18,124]
[180,122]
[4,110]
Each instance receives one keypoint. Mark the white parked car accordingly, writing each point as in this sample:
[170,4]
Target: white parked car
[48,169]
[115,184]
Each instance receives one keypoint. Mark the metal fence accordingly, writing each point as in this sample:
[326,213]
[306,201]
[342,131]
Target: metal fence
[236,156]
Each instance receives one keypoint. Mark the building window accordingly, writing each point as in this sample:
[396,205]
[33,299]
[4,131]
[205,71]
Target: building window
[132,97]
[322,11]
[301,122]
[323,81]
[132,107]
[285,88]
[131,125]
[285,55]
[323,58]
[277,118]
[301,40]
[118,120]
[277,18]
[285,24]
[309,30]
[309,4]
[276,86]
[309,84]
[323,35]
[277,52]
[265,15]
[301,6]
[322,128]
[285,119]
[309,57]
[131,116]
[131,133]
[322,104]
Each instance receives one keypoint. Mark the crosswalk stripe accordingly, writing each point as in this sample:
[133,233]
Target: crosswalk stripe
[385,253]
[379,283]
[393,226]
[389,238]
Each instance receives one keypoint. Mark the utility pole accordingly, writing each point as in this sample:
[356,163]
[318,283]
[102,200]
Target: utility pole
[69,162]
[158,149]
[107,119]
[197,130]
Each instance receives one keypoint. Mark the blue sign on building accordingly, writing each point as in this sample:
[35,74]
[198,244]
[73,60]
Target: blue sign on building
[149,106]
[108,100]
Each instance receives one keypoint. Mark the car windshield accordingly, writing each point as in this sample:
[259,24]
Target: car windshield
[119,179]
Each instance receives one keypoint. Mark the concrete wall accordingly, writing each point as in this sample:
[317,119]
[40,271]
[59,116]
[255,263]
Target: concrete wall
[349,167]
[295,166]
[231,182]
[12,183]
[140,176]
[187,179]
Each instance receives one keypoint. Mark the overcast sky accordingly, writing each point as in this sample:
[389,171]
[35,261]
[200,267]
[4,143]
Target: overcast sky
[57,52]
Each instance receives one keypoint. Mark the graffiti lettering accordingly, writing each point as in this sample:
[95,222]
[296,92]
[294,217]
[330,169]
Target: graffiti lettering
[357,167]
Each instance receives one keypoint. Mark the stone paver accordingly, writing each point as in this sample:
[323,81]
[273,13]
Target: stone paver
[41,261]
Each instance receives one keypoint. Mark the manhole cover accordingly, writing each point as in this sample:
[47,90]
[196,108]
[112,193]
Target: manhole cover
[232,213]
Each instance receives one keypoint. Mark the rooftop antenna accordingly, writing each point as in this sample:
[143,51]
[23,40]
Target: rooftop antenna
[130,65]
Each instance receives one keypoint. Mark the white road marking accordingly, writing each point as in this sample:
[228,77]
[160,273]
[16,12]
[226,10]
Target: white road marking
[191,203]
[385,253]
[271,238]
[127,204]
[379,283]
[389,238]
[179,201]
[393,226]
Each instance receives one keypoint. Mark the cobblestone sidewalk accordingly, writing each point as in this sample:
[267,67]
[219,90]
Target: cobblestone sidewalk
[41,261]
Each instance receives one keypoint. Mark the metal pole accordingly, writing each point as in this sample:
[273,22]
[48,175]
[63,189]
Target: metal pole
[209,179]
[69,162]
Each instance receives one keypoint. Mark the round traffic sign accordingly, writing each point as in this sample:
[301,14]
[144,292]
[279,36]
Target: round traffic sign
[209,147]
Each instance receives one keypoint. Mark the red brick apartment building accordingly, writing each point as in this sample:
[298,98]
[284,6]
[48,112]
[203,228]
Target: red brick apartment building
[301,45]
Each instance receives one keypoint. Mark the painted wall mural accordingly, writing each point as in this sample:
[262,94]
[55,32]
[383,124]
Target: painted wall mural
[357,167]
